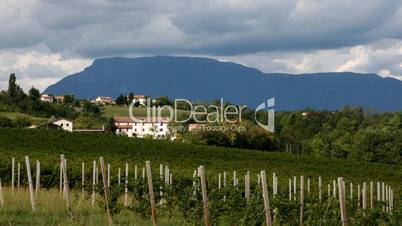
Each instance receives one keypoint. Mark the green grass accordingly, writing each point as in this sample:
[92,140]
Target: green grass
[51,210]
[15,115]
[182,158]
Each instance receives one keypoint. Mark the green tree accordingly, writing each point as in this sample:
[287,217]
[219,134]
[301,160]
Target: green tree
[34,94]
[69,99]
[121,100]
[130,97]
[12,86]
[91,108]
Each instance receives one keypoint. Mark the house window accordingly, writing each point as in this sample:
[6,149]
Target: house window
[67,124]
[61,124]
[161,124]
[143,130]
[161,130]
[135,129]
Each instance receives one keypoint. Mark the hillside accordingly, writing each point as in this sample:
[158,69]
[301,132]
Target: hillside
[204,79]
[182,158]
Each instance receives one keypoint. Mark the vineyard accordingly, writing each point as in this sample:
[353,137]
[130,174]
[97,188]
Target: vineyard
[233,184]
[228,199]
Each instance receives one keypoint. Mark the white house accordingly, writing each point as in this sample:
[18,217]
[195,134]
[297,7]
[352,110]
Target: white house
[104,100]
[47,98]
[155,127]
[124,125]
[62,123]
[140,99]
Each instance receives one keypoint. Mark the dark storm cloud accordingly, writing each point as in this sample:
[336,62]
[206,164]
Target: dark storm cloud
[96,28]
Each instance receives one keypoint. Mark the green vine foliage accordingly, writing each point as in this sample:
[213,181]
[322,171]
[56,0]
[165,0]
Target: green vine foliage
[227,206]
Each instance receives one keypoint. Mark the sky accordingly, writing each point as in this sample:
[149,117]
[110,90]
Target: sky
[42,41]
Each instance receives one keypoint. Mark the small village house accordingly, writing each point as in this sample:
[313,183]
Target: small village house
[61,124]
[155,127]
[104,100]
[140,100]
[59,99]
[47,98]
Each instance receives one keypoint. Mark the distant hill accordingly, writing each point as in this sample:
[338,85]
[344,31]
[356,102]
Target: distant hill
[208,79]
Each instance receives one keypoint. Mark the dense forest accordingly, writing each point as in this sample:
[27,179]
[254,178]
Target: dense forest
[349,133]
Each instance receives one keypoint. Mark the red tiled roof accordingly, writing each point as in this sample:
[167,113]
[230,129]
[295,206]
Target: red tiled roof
[123,119]
[123,127]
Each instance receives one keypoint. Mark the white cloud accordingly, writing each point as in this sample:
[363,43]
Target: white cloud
[37,69]
[383,57]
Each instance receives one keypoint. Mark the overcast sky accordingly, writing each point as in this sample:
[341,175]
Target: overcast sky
[45,40]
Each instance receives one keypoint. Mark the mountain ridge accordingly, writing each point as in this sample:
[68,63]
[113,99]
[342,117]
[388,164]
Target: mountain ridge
[198,78]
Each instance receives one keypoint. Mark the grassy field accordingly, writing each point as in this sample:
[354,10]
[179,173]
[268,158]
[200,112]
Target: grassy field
[51,210]
[182,158]
[15,115]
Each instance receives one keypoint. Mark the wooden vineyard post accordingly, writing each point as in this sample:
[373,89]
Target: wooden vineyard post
[12,175]
[66,188]
[358,196]
[96,174]
[18,175]
[61,175]
[135,172]
[308,186]
[201,174]
[143,173]
[219,181]
[273,184]
[290,189]
[378,191]
[37,177]
[247,186]
[371,195]
[383,195]
[319,188]
[276,185]
[224,179]
[390,202]
[118,175]
[167,174]
[1,195]
[234,178]
[334,188]
[126,187]
[161,180]
[301,200]
[364,198]
[342,202]
[294,187]
[31,191]
[83,179]
[108,175]
[93,182]
[105,180]
[386,198]
[351,191]
[151,193]
[267,209]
